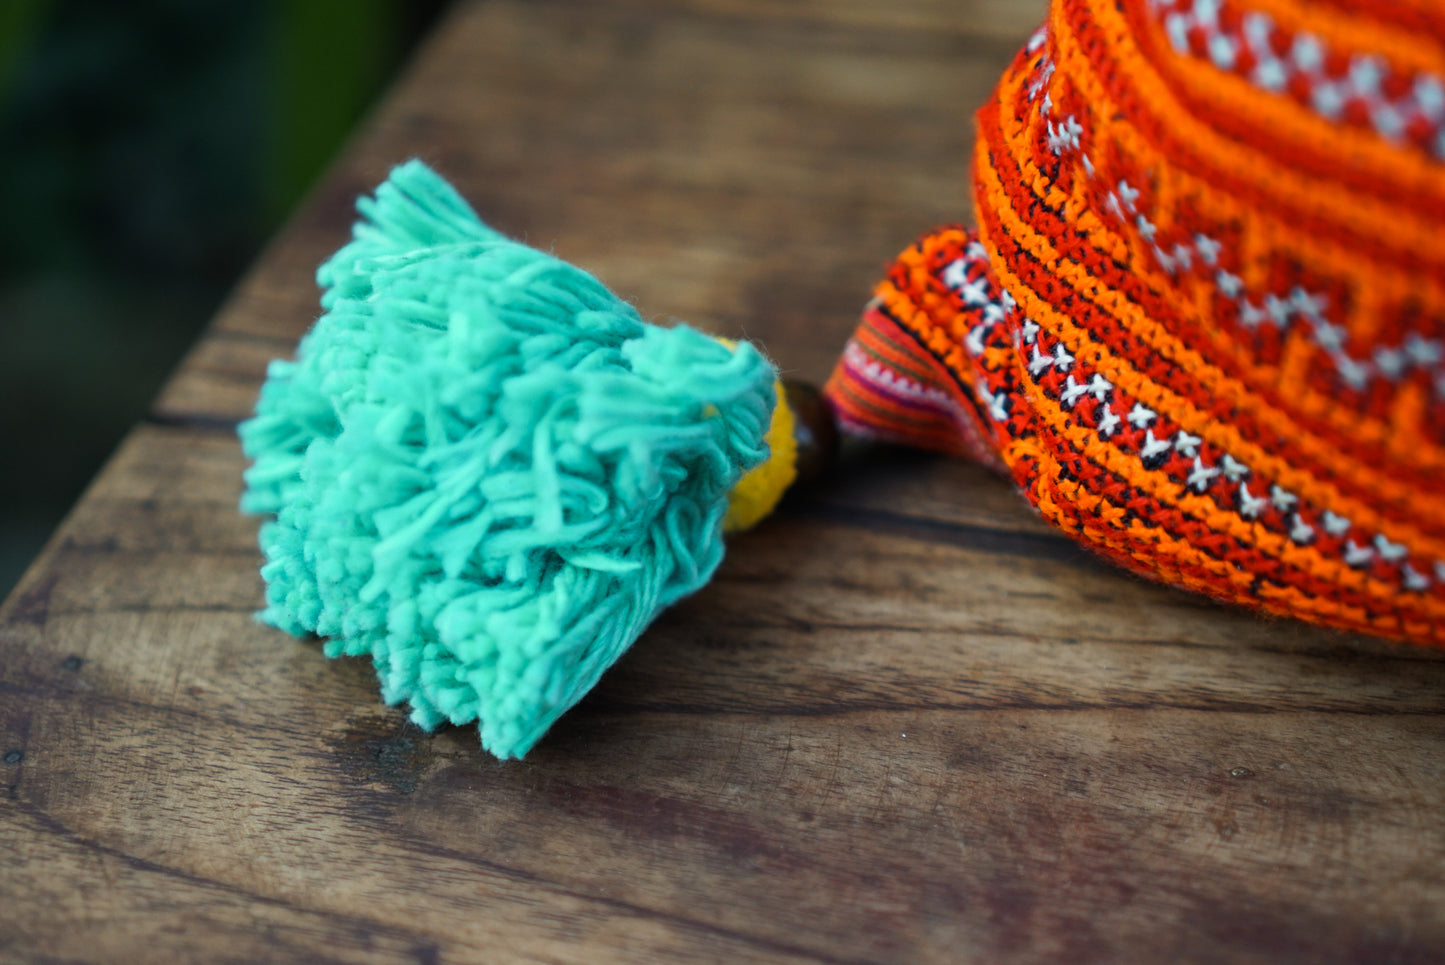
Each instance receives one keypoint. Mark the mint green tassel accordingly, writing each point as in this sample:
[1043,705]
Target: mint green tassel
[486,471]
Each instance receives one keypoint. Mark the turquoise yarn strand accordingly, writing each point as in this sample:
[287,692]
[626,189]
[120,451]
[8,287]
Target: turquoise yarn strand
[485,470]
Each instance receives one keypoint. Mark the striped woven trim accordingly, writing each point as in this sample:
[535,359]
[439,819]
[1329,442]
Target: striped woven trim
[898,379]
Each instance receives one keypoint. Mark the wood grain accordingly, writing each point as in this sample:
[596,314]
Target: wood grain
[907,722]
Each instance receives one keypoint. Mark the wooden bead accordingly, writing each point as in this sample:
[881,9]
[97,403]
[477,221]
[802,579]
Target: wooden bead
[813,429]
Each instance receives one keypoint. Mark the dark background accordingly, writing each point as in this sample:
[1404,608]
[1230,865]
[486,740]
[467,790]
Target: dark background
[147,149]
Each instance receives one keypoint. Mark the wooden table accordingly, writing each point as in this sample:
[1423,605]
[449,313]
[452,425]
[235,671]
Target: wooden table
[906,722]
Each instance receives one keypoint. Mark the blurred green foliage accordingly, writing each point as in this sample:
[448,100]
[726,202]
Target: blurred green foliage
[147,148]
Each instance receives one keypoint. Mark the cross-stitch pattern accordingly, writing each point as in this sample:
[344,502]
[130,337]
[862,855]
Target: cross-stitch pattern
[1200,320]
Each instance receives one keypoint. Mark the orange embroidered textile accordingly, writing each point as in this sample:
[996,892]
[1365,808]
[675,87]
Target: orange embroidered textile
[1202,319]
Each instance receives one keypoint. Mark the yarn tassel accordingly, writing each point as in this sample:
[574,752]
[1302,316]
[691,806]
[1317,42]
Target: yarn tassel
[486,472]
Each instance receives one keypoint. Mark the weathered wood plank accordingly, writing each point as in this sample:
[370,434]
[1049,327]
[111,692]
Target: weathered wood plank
[906,722]
[616,135]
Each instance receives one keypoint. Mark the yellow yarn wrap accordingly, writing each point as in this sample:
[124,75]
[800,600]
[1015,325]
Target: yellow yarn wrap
[758,492]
